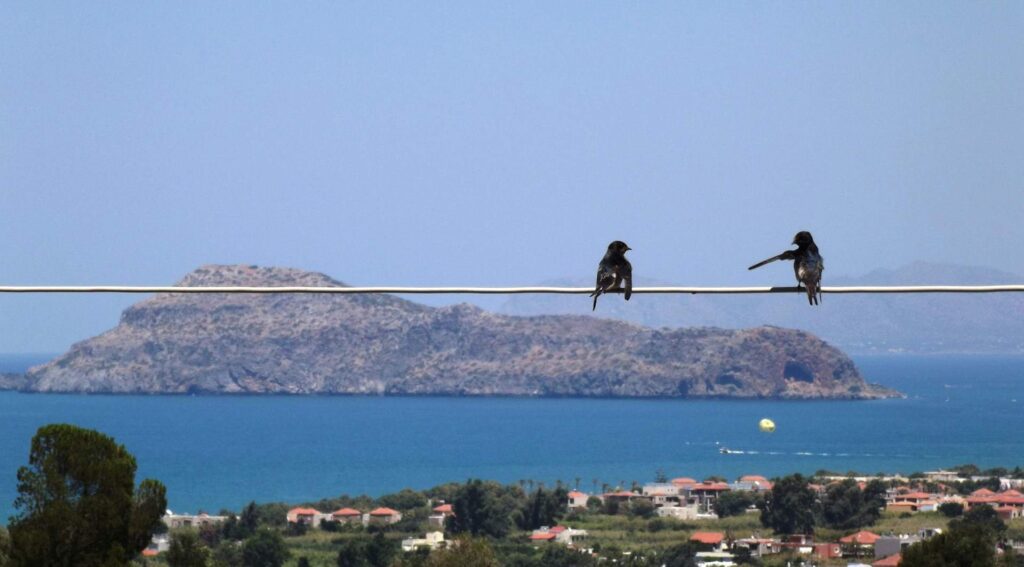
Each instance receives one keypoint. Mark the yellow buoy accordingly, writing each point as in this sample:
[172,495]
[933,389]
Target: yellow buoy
[767,425]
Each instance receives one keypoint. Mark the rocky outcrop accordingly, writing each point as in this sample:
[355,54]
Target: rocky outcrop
[381,344]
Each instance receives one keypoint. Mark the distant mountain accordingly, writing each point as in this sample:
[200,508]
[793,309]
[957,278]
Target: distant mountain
[381,344]
[920,323]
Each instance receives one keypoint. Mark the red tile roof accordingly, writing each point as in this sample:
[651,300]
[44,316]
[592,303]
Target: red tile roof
[542,537]
[303,511]
[753,478]
[152,552]
[557,530]
[708,538]
[891,561]
[1010,499]
[347,512]
[915,496]
[682,481]
[983,492]
[383,512]
[444,508]
[1012,493]
[862,537]
[577,494]
[712,486]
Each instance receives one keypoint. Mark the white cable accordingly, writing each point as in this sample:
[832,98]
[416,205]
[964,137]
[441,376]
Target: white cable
[504,290]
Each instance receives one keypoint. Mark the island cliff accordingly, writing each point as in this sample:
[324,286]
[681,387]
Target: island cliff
[382,344]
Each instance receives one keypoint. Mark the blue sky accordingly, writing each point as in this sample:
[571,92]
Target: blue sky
[497,143]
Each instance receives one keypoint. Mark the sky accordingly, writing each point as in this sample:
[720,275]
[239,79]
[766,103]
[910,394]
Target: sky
[496,143]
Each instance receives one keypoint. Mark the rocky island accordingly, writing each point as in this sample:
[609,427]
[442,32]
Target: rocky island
[384,345]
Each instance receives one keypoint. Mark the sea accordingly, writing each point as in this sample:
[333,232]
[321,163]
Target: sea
[221,452]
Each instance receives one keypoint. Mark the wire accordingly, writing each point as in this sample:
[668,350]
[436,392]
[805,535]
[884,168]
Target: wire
[507,290]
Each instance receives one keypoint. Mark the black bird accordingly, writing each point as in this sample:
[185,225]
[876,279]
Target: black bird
[613,270]
[807,264]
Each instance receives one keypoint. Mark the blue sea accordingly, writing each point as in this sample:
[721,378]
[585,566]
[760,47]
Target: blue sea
[222,452]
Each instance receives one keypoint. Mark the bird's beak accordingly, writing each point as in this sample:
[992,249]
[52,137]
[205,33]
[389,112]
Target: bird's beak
[628,249]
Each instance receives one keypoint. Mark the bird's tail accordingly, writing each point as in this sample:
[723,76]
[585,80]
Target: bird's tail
[812,292]
[595,295]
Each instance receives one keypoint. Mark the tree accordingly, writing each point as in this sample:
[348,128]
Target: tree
[352,554]
[681,555]
[248,521]
[641,508]
[5,547]
[845,506]
[733,503]
[187,550]
[78,504]
[227,554]
[380,551]
[790,506]
[951,509]
[481,509]
[465,552]
[264,549]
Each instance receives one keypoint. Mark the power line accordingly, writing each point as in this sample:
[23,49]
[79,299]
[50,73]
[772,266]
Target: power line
[504,290]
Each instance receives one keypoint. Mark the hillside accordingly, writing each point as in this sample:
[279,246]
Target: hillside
[861,324]
[381,344]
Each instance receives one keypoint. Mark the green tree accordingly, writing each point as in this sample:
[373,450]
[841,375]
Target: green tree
[380,551]
[227,554]
[187,550]
[951,509]
[407,499]
[482,509]
[681,555]
[845,506]
[78,504]
[464,552]
[733,503]
[352,554]
[5,547]
[641,508]
[265,548]
[790,506]
[248,521]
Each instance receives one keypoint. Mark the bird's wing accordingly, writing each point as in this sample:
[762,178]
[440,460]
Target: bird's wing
[787,255]
[627,276]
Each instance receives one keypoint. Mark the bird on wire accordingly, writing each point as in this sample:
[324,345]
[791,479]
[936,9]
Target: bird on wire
[613,271]
[807,265]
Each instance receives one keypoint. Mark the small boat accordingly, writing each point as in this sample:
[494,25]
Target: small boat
[726,451]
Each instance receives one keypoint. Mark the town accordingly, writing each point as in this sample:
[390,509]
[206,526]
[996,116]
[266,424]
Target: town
[718,523]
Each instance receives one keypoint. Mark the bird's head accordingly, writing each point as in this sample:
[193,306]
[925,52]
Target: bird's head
[618,246]
[803,238]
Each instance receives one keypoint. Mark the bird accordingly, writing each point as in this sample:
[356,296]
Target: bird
[808,265]
[614,270]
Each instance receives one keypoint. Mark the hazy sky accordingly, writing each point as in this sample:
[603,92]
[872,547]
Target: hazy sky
[497,142]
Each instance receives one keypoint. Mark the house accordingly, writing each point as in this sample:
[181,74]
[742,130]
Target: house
[440,515]
[159,544]
[860,544]
[559,534]
[174,521]
[683,483]
[891,561]
[1007,513]
[942,476]
[383,516]
[709,541]
[678,512]
[705,494]
[827,550]
[347,516]
[751,483]
[305,516]
[714,559]
[578,500]
[619,496]
[432,541]
[801,543]
[759,547]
